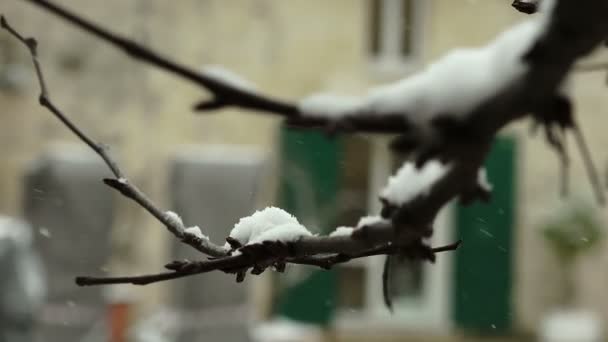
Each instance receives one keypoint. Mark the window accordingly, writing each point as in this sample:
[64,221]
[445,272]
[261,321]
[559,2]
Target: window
[394,28]
[420,291]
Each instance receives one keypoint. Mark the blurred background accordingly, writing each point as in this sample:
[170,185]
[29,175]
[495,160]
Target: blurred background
[533,266]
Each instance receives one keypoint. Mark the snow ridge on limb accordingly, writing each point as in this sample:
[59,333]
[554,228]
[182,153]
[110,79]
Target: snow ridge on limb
[453,86]
[221,74]
[410,182]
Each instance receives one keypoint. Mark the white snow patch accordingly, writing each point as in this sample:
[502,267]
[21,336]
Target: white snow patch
[196,231]
[342,231]
[454,85]
[329,105]
[410,182]
[284,232]
[45,232]
[228,77]
[269,224]
[174,219]
[482,180]
[370,220]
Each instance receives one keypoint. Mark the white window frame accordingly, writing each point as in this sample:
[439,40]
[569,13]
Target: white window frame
[431,313]
[390,59]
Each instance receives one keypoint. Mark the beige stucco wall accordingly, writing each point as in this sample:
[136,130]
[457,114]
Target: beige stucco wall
[288,48]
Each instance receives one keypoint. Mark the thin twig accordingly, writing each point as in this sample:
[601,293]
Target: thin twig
[229,95]
[241,261]
[328,261]
[564,166]
[386,280]
[120,183]
[594,178]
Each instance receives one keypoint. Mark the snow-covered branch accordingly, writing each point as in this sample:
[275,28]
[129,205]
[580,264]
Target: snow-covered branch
[447,115]
[457,103]
[271,237]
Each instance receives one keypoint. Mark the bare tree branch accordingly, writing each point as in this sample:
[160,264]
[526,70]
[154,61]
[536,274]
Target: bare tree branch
[592,173]
[243,261]
[120,183]
[228,95]
[142,53]
[223,95]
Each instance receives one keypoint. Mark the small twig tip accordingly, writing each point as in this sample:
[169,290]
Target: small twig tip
[81,281]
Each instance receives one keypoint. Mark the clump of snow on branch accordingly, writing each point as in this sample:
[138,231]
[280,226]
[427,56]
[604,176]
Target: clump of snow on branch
[482,180]
[269,224]
[363,222]
[371,220]
[410,181]
[454,85]
[174,219]
[342,231]
[228,77]
[330,105]
[285,233]
[196,232]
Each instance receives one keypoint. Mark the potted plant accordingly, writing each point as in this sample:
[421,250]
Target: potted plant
[574,232]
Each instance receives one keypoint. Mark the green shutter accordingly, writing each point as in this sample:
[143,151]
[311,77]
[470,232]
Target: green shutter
[309,163]
[484,264]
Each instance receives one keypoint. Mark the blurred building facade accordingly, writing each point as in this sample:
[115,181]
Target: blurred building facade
[291,49]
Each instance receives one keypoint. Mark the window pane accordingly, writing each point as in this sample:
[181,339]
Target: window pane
[351,287]
[406,278]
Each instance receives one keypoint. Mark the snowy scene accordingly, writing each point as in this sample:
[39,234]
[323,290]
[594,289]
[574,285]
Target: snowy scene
[266,170]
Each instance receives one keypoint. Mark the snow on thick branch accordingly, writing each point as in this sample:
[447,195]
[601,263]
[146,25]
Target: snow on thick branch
[453,86]
[447,114]
[410,182]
